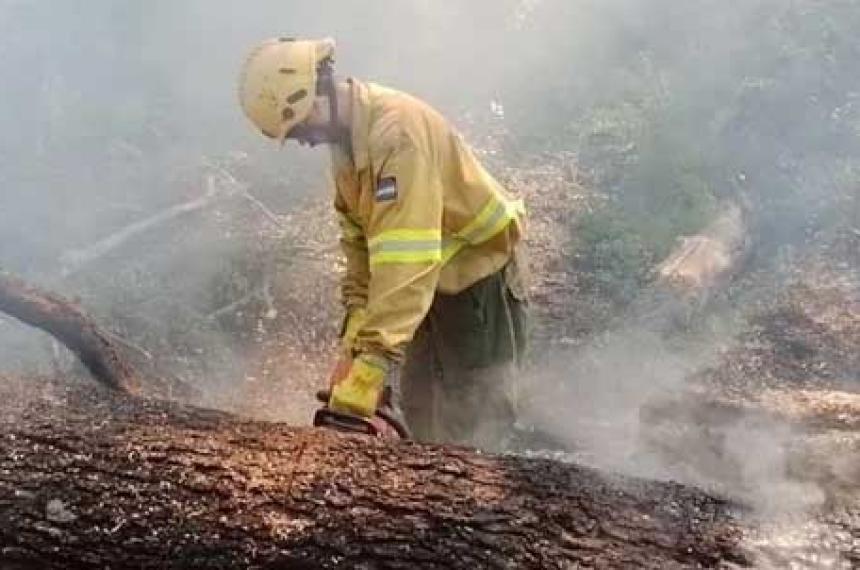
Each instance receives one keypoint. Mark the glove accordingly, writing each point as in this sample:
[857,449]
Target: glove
[361,391]
[351,325]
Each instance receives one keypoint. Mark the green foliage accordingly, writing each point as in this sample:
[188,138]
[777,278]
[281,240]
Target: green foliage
[612,259]
[672,106]
[619,242]
[666,195]
[658,189]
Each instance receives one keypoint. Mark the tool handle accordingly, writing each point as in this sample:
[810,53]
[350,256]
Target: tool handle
[325,417]
[398,426]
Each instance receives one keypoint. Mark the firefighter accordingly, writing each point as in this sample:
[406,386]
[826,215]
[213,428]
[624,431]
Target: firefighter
[434,298]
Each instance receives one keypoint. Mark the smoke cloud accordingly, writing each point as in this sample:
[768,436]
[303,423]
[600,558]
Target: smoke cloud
[115,112]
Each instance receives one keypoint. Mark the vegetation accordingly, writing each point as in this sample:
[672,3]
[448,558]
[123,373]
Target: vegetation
[688,103]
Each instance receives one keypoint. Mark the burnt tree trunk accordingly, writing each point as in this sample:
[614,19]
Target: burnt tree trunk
[103,480]
[71,326]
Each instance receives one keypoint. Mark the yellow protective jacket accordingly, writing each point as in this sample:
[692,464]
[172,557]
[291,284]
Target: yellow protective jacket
[418,214]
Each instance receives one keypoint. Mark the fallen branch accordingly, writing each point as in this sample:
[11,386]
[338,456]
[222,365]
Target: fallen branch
[128,344]
[705,261]
[71,326]
[73,260]
[240,188]
[252,295]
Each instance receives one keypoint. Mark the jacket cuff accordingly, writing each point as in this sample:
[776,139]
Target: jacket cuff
[378,360]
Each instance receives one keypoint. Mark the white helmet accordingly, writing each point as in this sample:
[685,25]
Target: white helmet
[278,83]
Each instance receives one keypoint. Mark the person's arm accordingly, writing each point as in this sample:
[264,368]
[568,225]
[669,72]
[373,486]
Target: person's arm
[405,251]
[354,246]
[353,288]
[404,243]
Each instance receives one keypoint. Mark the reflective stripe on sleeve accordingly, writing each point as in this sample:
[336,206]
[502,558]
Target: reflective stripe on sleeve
[450,248]
[428,246]
[406,246]
[493,218]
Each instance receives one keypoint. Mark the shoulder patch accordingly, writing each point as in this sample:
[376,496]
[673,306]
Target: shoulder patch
[386,189]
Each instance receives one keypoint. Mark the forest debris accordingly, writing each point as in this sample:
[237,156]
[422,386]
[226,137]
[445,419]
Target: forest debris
[73,260]
[68,323]
[701,262]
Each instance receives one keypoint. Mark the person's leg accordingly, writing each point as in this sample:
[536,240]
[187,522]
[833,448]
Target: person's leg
[478,336]
[418,386]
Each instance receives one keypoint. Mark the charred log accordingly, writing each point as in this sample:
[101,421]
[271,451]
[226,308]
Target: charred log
[68,323]
[104,480]
[708,260]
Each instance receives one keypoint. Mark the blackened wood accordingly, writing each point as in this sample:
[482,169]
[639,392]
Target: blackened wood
[68,323]
[103,480]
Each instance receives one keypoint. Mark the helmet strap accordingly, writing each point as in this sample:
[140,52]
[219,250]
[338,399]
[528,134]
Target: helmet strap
[326,88]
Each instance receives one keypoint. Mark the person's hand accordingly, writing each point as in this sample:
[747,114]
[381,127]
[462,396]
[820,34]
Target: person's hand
[360,392]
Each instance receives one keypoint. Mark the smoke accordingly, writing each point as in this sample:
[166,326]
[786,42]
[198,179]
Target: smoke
[106,104]
[627,401]
[671,108]
[115,112]
[600,390]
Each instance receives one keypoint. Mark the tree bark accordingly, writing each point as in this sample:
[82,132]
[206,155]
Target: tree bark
[72,327]
[104,480]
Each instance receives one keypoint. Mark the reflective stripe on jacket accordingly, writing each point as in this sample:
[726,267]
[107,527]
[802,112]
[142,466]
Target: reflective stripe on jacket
[418,214]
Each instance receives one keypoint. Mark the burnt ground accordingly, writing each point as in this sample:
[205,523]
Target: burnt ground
[755,396]
[793,377]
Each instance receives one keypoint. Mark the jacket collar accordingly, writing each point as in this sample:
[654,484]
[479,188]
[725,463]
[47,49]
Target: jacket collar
[360,128]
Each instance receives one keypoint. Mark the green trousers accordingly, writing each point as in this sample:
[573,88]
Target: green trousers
[458,383]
